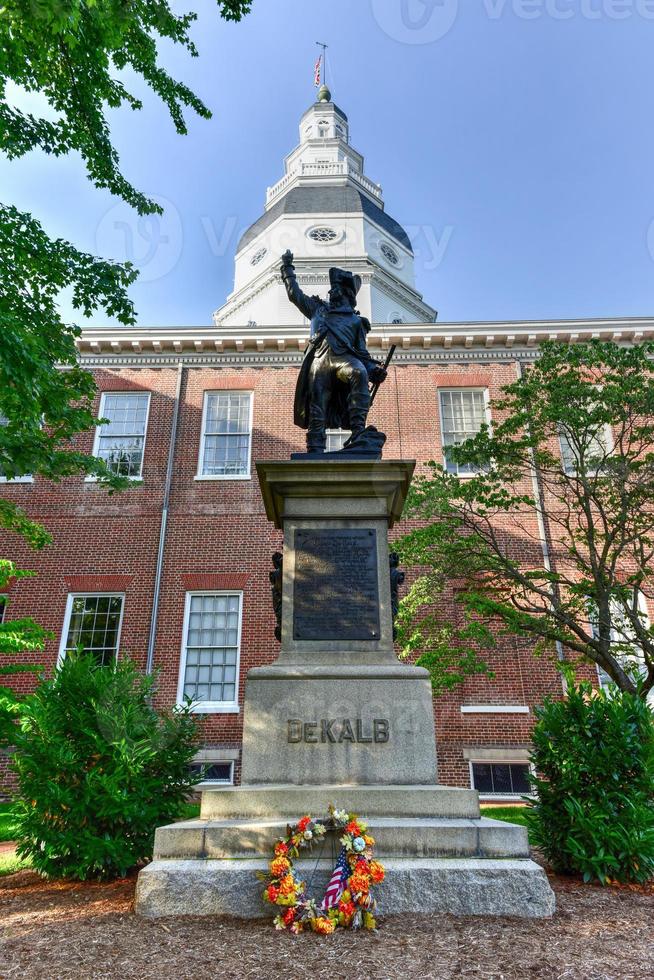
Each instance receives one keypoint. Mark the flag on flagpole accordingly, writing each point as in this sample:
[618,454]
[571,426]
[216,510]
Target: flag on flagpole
[316,71]
[337,882]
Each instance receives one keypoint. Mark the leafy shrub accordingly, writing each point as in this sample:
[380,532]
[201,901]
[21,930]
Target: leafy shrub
[98,769]
[594,811]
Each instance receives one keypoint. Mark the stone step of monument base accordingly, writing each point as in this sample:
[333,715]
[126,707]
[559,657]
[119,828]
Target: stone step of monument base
[459,886]
[394,837]
[273,800]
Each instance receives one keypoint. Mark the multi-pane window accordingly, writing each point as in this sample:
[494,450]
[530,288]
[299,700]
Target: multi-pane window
[463,413]
[3,607]
[600,442]
[121,440]
[500,778]
[336,439]
[226,434]
[93,623]
[209,674]
[624,643]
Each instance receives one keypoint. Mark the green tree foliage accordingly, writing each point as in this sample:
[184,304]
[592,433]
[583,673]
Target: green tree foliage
[98,769]
[595,491]
[16,636]
[76,54]
[72,51]
[594,808]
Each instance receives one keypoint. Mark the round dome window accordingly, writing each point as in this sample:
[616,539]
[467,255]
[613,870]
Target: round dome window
[389,253]
[258,255]
[322,235]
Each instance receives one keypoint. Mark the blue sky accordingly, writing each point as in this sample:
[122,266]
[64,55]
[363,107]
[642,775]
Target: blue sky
[515,138]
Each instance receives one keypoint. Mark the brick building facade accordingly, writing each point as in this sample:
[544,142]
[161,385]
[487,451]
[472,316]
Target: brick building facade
[174,571]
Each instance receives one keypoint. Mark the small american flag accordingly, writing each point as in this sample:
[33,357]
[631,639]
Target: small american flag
[337,882]
[316,71]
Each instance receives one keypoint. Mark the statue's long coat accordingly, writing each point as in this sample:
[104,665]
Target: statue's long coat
[341,331]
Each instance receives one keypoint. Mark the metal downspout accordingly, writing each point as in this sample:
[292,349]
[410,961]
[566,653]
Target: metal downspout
[164,522]
[538,497]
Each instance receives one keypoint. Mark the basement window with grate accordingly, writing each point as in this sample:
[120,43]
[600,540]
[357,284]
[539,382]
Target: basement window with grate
[213,772]
[500,778]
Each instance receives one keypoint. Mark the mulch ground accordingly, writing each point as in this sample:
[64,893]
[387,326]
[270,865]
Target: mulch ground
[65,929]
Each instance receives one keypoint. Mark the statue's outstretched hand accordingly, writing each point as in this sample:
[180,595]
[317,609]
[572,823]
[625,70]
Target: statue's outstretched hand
[287,259]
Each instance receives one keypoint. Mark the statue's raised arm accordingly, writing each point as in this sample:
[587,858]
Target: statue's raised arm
[332,390]
[307,305]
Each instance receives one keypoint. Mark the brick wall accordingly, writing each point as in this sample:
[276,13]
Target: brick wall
[218,538]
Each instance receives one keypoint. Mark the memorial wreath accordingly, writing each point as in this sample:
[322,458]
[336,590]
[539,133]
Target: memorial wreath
[348,902]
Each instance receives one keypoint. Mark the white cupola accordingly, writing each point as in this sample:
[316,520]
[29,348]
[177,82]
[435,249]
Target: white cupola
[328,213]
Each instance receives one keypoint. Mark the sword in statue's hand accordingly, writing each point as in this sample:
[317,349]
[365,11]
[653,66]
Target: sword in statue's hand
[375,387]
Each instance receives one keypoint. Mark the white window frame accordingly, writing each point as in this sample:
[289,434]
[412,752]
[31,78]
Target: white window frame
[604,681]
[211,707]
[9,481]
[494,709]
[474,388]
[218,761]
[69,612]
[4,602]
[98,431]
[608,446]
[498,762]
[224,476]
[335,433]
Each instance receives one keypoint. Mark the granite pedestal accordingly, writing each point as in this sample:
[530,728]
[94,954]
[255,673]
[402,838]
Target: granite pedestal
[336,719]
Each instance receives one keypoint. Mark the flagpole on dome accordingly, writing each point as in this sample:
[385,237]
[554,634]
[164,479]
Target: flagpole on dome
[324,95]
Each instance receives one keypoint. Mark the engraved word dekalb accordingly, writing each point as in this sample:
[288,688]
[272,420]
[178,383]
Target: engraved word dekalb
[336,594]
[339,730]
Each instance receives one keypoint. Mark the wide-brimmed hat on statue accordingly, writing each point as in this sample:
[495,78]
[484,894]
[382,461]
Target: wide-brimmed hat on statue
[348,282]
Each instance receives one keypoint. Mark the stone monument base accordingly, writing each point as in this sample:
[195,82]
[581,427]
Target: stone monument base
[367,724]
[440,855]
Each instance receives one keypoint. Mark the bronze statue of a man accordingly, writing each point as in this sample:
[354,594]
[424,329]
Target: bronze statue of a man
[332,389]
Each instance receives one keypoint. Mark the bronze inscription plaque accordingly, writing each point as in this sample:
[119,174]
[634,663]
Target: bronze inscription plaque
[336,593]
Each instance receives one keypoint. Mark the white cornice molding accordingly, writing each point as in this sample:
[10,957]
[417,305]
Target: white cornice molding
[441,341]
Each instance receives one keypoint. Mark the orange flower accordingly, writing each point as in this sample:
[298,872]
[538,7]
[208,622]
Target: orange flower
[347,908]
[353,828]
[303,824]
[361,867]
[377,872]
[359,883]
[370,841]
[272,893]
[287,885]
[288,916]
[281,848]
[279,866]
[323,925]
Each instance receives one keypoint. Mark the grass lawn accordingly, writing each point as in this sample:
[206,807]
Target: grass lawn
[10,864]
[6,828]
[190,811]
[512,814]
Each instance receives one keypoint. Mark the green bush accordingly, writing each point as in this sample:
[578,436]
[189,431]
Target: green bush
[594,808]
[98,769]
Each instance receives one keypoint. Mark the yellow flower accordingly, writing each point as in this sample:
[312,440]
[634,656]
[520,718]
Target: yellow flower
[323,925]
[287,885]
[377,872]
[279,866]
[370,841]
[369,921]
